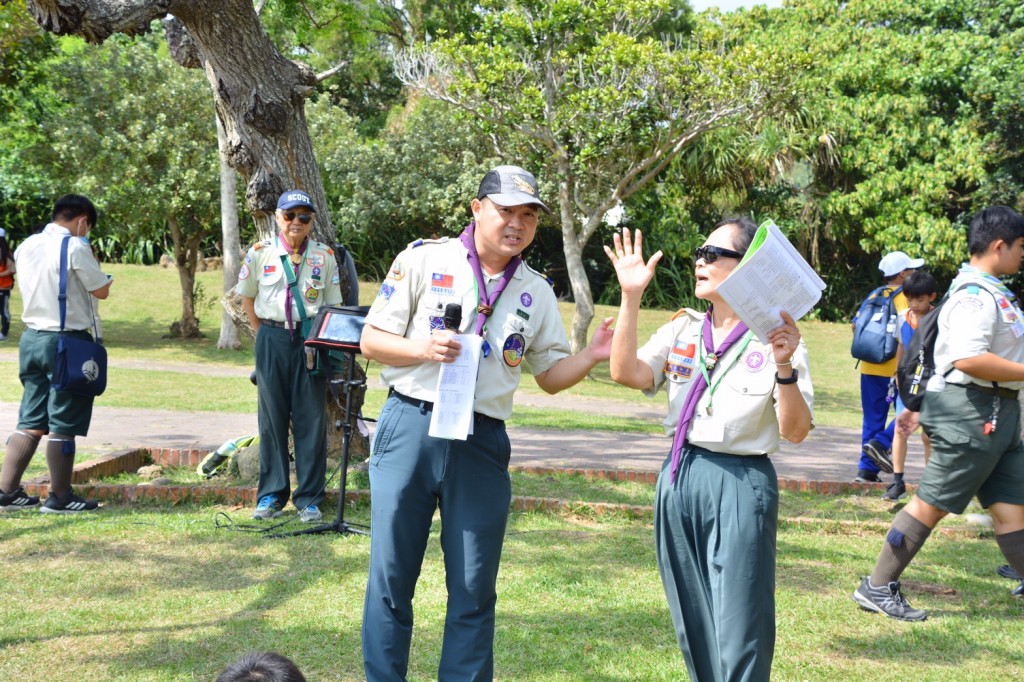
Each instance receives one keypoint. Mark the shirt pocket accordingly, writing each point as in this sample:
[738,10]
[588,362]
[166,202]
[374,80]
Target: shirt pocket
[432,307]
[746,396]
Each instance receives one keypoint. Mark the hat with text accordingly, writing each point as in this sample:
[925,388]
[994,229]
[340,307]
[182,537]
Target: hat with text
[896,262]
[510,186]
[294,198]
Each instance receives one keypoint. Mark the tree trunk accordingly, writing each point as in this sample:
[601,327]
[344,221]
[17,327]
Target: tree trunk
[230,243]
[186,257]
[584,298]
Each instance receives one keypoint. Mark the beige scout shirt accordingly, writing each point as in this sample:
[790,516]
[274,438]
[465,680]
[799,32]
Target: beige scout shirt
[38,261]
[525,323]
[746,400]
[974,322]
[262,277]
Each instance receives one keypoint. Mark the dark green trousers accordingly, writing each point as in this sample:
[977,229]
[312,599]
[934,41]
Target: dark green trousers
[715,530]
[289,394]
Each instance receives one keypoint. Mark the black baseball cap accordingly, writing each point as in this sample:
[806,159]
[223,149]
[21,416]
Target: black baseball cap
[510,186]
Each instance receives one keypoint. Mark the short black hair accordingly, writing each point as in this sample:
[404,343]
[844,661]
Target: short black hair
[920,283]
[71,206]
[991,224]
[746,229]
[262,666]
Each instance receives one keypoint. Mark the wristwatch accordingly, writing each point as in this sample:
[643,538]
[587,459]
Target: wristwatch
[790,380]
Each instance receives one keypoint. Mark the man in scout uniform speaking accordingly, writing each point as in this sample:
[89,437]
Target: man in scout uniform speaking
[514,310]
[283,281]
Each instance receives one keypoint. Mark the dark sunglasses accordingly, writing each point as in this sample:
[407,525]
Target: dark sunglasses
[303,218]
[711,253]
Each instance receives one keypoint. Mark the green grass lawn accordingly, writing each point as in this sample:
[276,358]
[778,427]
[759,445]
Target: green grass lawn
[145,593]
[146,300]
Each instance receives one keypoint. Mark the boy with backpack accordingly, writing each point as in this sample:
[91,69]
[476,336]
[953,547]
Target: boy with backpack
[874,346]
[920,290]
[970,411]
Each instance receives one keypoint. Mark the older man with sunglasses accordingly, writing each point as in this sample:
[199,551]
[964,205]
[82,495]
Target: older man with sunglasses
[283,282]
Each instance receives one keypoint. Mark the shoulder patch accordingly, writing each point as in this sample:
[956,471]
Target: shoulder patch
[690,312]
[420,242]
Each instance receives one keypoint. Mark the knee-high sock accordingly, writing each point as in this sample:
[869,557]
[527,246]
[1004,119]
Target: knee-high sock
[21,445]
[1012,547]
[905,538]
[61,463]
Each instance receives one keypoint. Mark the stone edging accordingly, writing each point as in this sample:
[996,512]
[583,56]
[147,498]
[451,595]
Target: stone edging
[130,460]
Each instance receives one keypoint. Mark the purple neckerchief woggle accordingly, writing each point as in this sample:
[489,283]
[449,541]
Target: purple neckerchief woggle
[486,302]
[699,386]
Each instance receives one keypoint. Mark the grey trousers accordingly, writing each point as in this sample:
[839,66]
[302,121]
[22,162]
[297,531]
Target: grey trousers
[715,530]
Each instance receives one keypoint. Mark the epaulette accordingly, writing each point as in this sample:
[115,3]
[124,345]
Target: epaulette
[256,246]
[696,315]
[551,282]
[330,251]
[421,242]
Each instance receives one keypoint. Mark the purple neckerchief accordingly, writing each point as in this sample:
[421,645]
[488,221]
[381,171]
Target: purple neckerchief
[487,301]
[288,290]
[699,385]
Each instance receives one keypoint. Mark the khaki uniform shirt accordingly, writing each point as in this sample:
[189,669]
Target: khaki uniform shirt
[38,261]
[525,324]
[745,402]
[262,277]
[974,322]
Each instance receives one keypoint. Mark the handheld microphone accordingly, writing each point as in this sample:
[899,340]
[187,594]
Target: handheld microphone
[453,316]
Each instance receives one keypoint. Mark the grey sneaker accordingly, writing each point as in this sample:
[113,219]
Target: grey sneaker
[268,508]
[1019,590]
[878,454]
[19,499]
[895,491]
[888,600]
[311,514]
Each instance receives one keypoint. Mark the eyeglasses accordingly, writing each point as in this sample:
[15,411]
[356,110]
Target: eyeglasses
[711,253]
[303,218]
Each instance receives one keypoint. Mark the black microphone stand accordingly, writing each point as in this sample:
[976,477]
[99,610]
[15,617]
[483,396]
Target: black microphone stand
[339,525]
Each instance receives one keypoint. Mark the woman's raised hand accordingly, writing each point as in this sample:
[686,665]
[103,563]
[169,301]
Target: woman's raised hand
[627,256]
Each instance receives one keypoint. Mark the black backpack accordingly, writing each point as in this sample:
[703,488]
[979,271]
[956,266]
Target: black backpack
[874,326]
[917,365]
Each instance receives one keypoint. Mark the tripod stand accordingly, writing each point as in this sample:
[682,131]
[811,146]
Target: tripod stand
[339,525]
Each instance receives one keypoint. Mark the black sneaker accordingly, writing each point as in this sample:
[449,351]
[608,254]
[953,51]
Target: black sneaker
[878,454]
[897,490]
[1007,571]
[888,600]
[17,500]
[1019,590]
[72,504]
[865,476]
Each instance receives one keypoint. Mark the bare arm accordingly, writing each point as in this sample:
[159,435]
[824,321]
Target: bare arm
[991,367]
[103,291]
[397,351]
[249,305]
[634,275]
[794,413]
[570,370]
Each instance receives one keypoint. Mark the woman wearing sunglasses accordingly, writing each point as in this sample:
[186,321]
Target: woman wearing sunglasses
[716,508]
[283,283]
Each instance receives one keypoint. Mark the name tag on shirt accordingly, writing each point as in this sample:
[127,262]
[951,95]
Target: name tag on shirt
[707,429]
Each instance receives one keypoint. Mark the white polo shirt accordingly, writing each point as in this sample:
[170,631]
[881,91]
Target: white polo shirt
[525,324]
[38,261]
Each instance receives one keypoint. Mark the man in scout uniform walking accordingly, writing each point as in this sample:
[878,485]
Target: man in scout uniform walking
[45,410]
[411,473]
[283,281]
[970,412]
